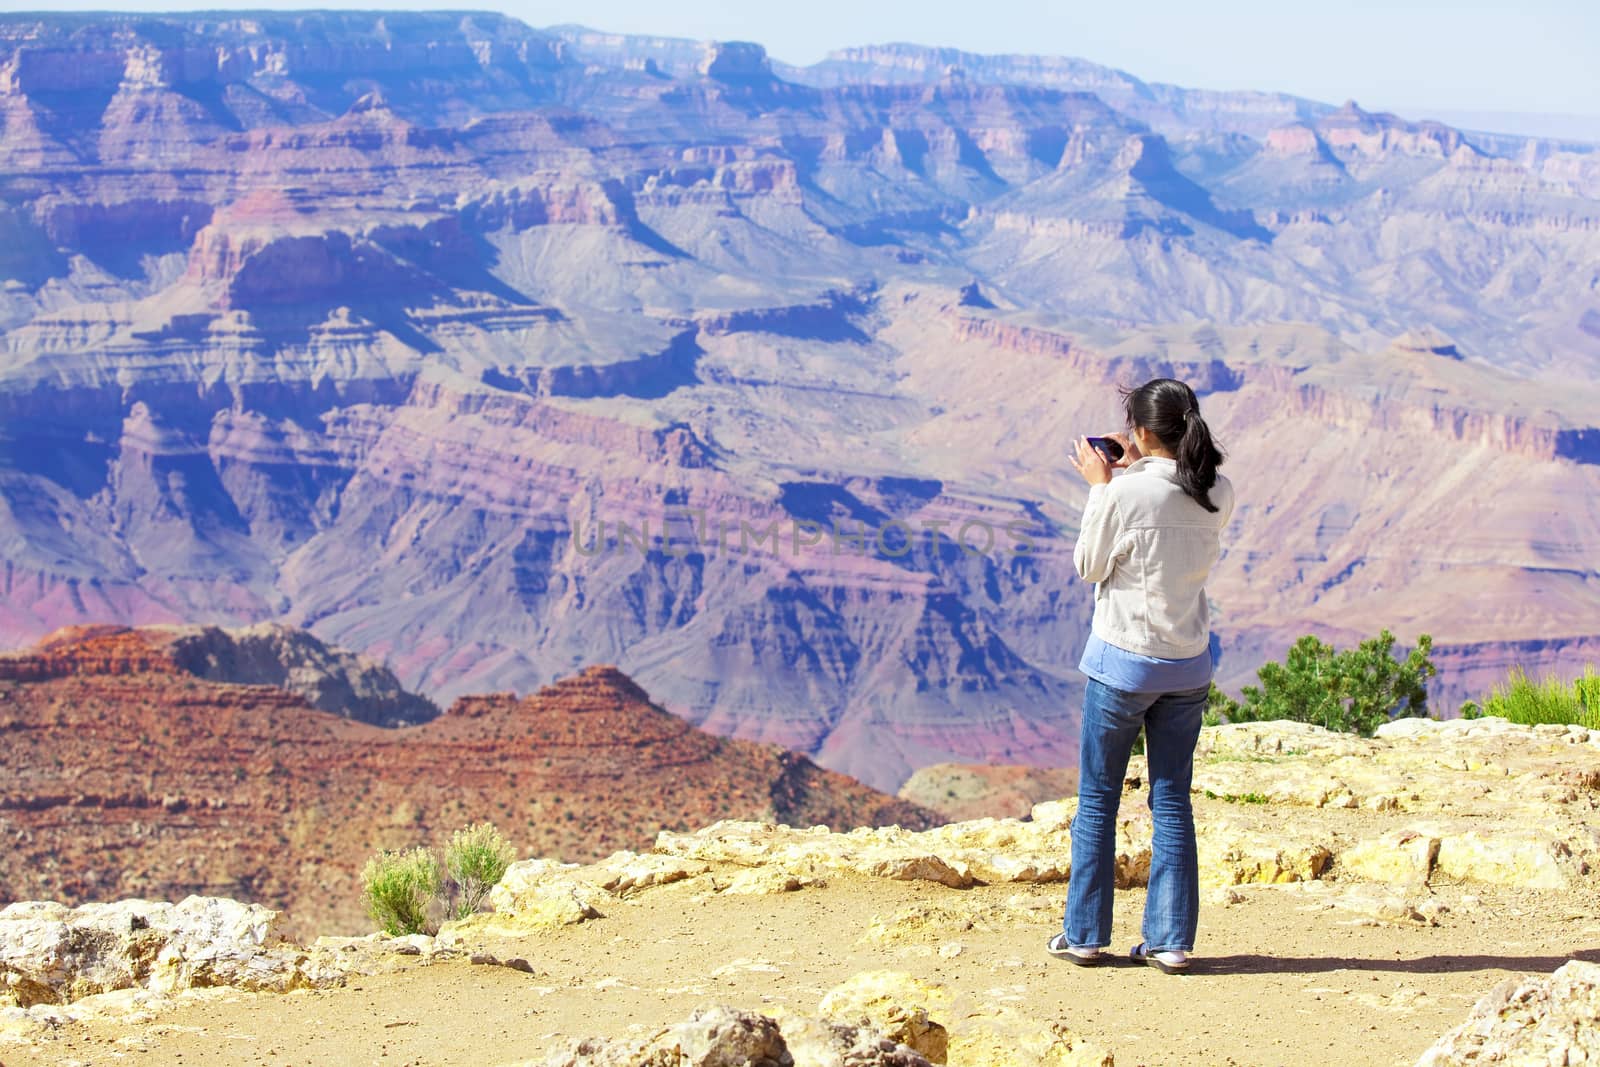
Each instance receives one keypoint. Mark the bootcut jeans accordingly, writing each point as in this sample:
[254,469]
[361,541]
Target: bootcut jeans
[1111,722]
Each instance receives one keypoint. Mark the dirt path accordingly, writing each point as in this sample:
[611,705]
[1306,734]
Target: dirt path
[1282,979]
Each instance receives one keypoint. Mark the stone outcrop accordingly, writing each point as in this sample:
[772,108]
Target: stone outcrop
[1553,1019]
[284,657]
[897,1005]
[52,954]
[132,959]
[1478,800]
[1506,805]
[874,1020]
[1006,1036]
[723,1037]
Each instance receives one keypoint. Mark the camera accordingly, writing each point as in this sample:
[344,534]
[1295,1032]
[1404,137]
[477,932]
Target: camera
[1106,447]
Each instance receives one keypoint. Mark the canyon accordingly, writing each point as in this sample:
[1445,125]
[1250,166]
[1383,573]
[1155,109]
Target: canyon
[494,353]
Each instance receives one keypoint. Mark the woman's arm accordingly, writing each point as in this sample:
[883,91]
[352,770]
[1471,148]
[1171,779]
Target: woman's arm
[1095,554]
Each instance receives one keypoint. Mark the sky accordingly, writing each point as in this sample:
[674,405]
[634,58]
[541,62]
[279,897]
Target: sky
[1412,56]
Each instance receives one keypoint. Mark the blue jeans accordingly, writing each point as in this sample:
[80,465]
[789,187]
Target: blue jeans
[1111,721]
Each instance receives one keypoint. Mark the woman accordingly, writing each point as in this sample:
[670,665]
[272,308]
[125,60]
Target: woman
[1149,539]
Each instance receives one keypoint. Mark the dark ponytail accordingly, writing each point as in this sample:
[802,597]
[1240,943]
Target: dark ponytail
[1169,409]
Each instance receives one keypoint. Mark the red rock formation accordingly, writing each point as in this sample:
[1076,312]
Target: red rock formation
[88,651]
[121,775]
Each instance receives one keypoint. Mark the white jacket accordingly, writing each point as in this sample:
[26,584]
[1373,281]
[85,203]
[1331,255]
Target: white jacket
[1150,548]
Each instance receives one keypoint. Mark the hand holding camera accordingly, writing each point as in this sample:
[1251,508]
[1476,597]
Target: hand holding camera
[1097,457]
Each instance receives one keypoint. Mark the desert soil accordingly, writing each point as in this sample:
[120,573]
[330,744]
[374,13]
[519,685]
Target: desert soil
[1280,978]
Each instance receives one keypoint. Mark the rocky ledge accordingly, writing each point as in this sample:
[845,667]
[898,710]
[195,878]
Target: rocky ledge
[1418,836]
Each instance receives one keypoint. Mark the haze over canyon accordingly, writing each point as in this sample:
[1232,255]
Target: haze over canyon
[418,329]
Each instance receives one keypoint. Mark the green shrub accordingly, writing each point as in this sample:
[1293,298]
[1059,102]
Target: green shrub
[1355,691]
[476,858]
[399,889]
[1239,798]
[1551,700]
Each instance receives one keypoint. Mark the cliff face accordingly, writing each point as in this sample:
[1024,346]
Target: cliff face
[127,775]
[209,74]
[491,352]
[268,654]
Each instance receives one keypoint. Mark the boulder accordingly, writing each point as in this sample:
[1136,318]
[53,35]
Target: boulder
[626,871]
[1532,859]
[1051,814]
[540,907]
[523,876]
[540,893]
[724,1037]
[51,954]
[712,1037]
[1005,1037]
[1552,1019]
[896,1004]
[829,1043]
[213,941]
[1232,855]
[1405,856]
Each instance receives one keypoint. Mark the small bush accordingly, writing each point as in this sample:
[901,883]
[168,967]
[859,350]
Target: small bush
[1239,798]
[1550,700]
[476,858]
[399,889]
[1356,691]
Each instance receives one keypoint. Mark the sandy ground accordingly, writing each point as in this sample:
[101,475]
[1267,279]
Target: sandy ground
[1279,978]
